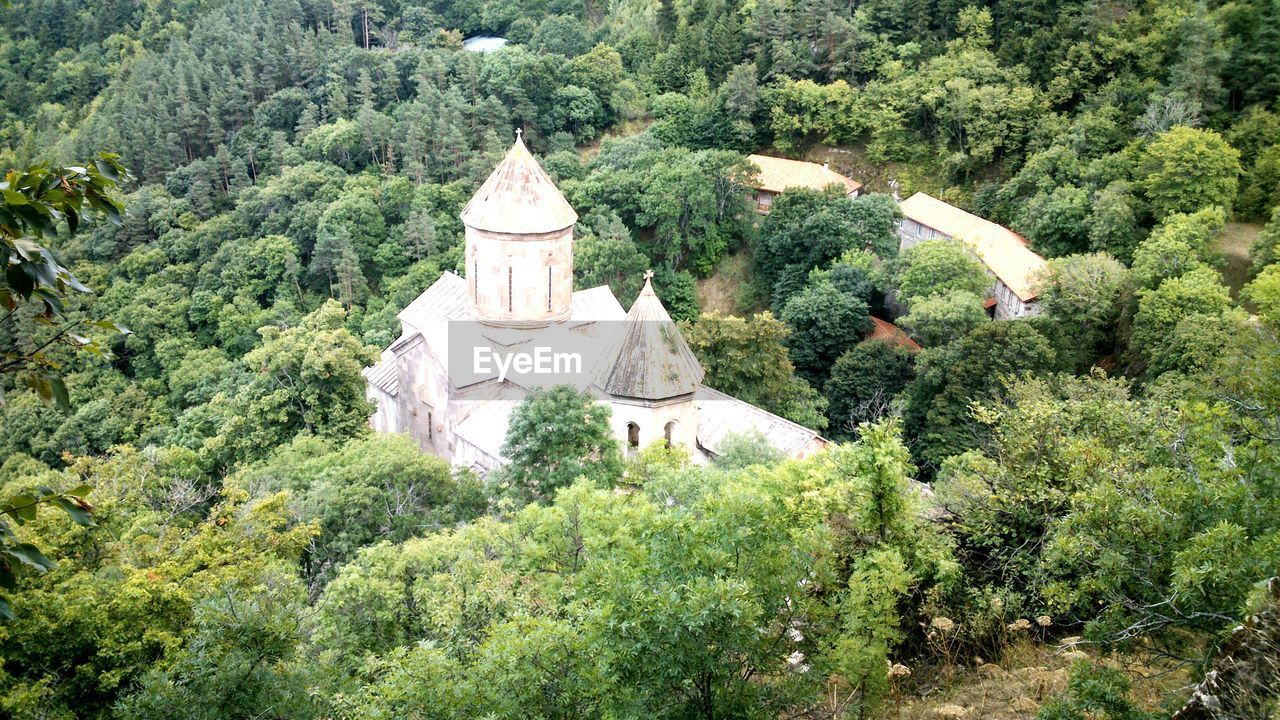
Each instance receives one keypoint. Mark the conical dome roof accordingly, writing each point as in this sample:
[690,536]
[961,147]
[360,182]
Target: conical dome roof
[518,198]
[649,359]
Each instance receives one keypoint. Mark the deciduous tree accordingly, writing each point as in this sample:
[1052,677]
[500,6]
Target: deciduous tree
[555,437]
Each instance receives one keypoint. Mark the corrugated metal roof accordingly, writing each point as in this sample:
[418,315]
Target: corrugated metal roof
[721,416]
[1002,250]
[778,174]
[519,198]
[385,376]
[887,332]
[649,358]
[445,300]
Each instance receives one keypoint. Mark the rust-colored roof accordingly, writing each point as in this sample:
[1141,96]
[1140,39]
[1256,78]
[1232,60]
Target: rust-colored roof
[1003,251]
[649,358]
[518,198]
[778,174]
[887,332]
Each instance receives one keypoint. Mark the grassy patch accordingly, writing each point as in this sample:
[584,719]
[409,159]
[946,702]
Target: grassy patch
[1015,686]
[723,291]
[623,129]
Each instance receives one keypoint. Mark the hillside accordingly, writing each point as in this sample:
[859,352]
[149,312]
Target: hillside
[994,435]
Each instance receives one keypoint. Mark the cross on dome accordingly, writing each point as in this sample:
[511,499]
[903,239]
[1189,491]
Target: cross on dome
[519,198]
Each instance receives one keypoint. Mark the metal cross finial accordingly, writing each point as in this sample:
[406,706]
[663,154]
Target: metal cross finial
[519,132]
[648,274]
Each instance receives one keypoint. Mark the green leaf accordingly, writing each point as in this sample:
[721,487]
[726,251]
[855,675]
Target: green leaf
[28,249]
[114,327]
[77,513]
[6,610]
[29,555]
[106,169]
[22,507]
[19,281]
[61,398]
[81,491]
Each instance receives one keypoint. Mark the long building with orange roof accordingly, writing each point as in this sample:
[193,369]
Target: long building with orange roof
[780,174]
[1015,267]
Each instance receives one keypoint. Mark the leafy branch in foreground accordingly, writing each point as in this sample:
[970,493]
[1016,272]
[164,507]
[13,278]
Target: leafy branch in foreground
[35,202]
[17,556]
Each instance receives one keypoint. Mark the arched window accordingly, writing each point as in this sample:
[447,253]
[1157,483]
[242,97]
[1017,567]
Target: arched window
[633,435]
[668,431]
[548,288]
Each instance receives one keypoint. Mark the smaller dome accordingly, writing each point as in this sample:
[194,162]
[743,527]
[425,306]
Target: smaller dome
[649,359]
[519,198]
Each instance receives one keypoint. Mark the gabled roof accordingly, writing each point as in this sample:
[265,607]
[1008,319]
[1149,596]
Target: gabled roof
[426,320]
[1003,251]
[595,304]
[446,299]
[518,198]
[892,335]
[649,358]
[778,174]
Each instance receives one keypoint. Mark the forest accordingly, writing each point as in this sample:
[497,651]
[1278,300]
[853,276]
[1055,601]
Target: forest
[213,211]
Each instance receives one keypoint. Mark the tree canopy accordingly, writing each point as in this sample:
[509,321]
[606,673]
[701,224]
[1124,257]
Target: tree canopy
[256,188]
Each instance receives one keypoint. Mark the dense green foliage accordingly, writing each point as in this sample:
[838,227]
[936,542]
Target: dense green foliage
[555,437]
[747,358]
[648,602]
[864,382]
[296,169]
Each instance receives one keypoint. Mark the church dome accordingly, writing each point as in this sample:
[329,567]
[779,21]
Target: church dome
[519,198]
[649,360]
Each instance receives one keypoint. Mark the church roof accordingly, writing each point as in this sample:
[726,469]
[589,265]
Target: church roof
[384,375]
[722,416]
[446,299]
[518,198]
[426,321]
[649,358]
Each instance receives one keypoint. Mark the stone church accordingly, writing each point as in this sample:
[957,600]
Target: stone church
[518,294]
